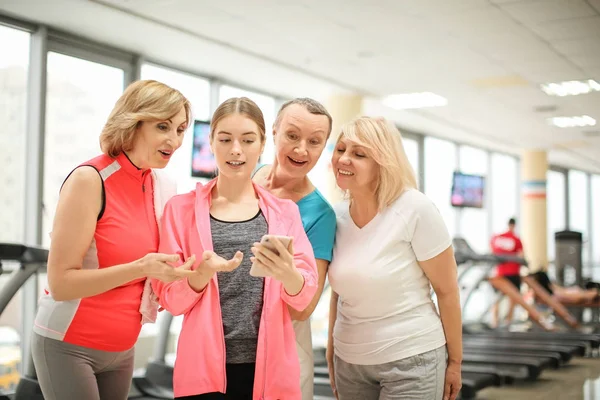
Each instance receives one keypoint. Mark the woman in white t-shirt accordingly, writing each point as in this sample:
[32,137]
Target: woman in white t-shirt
[386,339]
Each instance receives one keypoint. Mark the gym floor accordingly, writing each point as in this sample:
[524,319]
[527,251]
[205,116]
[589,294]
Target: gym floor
[578,380]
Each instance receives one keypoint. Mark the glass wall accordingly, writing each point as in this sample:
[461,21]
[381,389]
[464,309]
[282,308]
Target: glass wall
[266,105]
[197,91]
[578,208]
[596,222]
[555,207]
[474,221]
[76,111]
[411,147]
[14,62]
[14,65]
[440,162]
[504,190]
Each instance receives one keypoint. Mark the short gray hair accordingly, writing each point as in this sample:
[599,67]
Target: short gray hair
[311,105]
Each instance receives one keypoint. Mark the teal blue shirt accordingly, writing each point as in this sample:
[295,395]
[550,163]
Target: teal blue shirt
[318,220]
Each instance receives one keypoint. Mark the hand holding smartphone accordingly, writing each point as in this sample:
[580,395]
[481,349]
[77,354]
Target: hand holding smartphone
[257,269]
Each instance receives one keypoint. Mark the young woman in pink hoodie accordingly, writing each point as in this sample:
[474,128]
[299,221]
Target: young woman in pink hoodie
[237,339]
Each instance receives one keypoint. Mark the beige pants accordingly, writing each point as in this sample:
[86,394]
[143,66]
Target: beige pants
[305,355]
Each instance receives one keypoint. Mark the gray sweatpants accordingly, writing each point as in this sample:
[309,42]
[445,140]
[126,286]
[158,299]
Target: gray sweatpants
[420,377]
[69,372]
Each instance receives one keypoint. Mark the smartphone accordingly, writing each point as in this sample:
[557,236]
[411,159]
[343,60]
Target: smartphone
[266,241]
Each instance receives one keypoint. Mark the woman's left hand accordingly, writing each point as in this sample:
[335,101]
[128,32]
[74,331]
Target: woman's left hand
[280,266]
[453,381]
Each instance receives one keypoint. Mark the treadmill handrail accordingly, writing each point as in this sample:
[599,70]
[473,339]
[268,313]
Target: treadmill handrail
[22,253]
[16,280]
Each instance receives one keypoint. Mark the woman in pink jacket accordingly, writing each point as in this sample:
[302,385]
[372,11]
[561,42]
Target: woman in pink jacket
[237,339]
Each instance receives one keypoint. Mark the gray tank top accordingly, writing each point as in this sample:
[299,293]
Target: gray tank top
[241,295]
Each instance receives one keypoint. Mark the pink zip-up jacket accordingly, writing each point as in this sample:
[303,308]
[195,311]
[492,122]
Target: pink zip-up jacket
[200,363]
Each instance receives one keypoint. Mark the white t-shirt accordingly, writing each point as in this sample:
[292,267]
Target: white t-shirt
[385,311]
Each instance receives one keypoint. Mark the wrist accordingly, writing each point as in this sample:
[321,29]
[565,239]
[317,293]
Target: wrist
[137,269]
[292,278]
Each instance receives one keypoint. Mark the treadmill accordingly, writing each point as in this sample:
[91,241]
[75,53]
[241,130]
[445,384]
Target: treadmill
[30,260]
[478,336]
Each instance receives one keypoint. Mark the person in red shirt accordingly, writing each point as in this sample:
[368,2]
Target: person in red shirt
[507,243]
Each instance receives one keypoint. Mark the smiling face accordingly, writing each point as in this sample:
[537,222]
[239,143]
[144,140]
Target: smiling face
[355,170]
[156,141]
[237,145]
[300,138]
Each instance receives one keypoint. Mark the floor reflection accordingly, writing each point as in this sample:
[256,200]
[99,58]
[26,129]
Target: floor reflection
[578,380]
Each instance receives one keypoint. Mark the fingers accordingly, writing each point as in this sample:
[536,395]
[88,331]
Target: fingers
[281,249]
[267,253]
[268,270]
[235,261]
[447,391]
[189,263]
[455,390]
[264,260]
[167,257]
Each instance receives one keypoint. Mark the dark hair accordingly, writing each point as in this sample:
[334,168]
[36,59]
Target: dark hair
[512,221]
[311,105]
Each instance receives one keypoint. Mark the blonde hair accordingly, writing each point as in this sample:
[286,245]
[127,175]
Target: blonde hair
[383,143]
[142,101]
[239,105]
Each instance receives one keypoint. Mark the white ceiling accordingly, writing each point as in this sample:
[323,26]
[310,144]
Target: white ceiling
[487,57]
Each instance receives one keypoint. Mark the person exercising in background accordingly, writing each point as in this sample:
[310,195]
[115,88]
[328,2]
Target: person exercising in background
[507,243]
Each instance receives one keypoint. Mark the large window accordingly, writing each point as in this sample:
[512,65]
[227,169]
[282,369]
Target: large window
[80,96]
[197,91]
[14,47]
[14,63]
[578,207]
[266,105]
[440,162]
[596,220]
[503,190]
[556,203]
[411,147]
[474,221]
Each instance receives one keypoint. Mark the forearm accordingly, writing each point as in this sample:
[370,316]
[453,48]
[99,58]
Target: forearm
[79,283]
[450,313]
[199,281]
[332,317]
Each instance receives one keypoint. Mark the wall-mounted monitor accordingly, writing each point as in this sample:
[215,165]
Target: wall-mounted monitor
[467,190]
[203,161]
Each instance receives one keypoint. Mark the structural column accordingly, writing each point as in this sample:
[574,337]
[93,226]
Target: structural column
[343,108]
[533,224]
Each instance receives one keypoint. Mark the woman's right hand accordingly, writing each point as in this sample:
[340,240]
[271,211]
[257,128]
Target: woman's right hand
[331,368]
[156,265]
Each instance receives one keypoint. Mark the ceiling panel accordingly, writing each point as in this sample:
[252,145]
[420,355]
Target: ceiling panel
[581,28]
[537,12]
[486,57]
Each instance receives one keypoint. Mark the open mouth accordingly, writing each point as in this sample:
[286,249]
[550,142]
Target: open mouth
[344,172]
[236,163]
[166,153]
[297,162]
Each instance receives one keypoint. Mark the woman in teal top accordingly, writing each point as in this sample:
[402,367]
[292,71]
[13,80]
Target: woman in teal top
[301,130]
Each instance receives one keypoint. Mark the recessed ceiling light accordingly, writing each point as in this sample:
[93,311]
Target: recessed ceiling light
[571,88]
[572,122]
[414,100]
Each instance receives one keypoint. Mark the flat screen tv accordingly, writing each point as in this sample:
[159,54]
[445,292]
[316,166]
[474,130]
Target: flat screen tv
[203,161]
[467,190]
